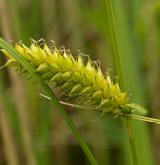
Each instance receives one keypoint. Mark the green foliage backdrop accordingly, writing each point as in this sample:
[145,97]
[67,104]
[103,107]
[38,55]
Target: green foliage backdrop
[32,132]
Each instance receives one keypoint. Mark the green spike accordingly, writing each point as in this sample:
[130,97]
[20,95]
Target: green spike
[97,95]
[10,62]
[67,86]
[105,103]
[136,107]
[66,76]
[56,77]
[87,90]
[87,80]
[76,89]
[47,76]
[42,68]
[54,68]
[76,77]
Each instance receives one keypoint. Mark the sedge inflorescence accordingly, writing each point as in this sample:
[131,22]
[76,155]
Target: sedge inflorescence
[82,83]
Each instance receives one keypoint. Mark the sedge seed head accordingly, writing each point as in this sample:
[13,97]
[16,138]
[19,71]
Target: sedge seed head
[76,80]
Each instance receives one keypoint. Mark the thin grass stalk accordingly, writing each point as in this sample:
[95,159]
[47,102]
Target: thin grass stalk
[119,67]
[135,82]
[115,44]
[54,100]
[137,117]
[36,19]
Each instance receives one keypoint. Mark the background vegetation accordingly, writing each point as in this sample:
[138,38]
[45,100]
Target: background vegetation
[31,131]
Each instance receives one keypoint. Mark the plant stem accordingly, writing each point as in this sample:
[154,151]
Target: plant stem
[119,68]
[142,118]
[49,92]
[132,140]
[136,117]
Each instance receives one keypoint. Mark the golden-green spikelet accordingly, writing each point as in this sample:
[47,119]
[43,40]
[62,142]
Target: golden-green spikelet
[80,83]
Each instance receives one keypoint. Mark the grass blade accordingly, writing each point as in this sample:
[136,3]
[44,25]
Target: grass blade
[143,118]
[131,56]
[119,67]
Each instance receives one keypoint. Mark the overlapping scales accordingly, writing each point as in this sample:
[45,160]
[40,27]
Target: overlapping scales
[72,76]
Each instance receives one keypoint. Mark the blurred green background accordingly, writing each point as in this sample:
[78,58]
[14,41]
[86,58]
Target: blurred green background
[31,131]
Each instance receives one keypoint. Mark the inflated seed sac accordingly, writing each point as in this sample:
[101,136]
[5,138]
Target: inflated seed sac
[82,83]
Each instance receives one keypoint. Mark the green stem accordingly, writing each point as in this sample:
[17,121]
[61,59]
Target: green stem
[142,118]
[132,140]
[136,117]
[119,67]
[115,45]
[49,92]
